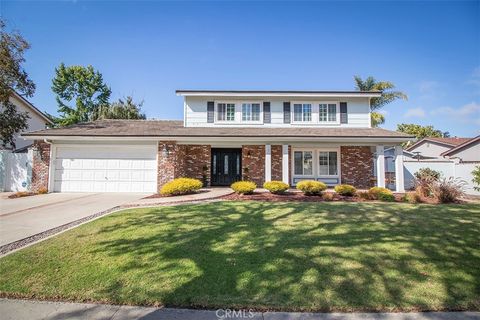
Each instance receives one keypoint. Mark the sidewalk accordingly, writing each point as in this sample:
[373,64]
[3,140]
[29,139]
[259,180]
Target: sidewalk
[33,310]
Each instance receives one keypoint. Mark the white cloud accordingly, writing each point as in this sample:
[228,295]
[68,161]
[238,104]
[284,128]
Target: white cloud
[415,113]
[466,111]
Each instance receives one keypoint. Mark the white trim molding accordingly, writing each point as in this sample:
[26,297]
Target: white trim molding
[268,162]
[399,177]
[285,175]
[381,166]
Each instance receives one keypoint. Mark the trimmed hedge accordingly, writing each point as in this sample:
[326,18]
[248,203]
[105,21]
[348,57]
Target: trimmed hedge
[345,190]
[379,193]
[180,186]
[276,187]
[311,187]
[243,187]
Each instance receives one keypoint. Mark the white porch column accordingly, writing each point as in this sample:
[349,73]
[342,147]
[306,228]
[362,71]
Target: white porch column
[268,162]
[285,177]
[381,166]
[399,182]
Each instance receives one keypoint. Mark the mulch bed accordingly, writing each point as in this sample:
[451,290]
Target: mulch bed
[21,194]
[296,197]
[158,195]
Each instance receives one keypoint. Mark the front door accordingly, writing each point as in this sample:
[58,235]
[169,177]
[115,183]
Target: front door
[226,166]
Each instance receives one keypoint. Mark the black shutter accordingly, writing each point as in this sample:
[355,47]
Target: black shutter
[210,111]
[286,112]
[343,112]
[267,117]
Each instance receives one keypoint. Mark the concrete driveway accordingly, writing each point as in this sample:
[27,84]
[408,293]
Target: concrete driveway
[24,217]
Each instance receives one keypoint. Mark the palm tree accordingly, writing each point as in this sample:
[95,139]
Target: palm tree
[386,87]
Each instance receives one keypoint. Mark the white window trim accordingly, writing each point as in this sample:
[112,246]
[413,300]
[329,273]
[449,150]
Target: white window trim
[260,119]
[313,163]
[238,112]
[292,111]
[337,109]
[316,165]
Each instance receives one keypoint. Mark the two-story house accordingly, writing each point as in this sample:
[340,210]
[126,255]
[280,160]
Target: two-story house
[225,136]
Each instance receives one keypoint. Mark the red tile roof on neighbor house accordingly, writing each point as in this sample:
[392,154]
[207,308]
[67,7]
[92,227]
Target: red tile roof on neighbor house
[461,146]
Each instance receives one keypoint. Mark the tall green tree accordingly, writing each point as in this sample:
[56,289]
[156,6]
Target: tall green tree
[13,78]
[421,132]
[388,95]
[81,92]
[122,109]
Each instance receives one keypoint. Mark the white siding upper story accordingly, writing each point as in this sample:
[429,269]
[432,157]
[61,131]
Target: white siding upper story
[37,121]
[358,110]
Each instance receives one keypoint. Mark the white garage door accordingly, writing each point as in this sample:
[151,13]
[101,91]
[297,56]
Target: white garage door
[105,169]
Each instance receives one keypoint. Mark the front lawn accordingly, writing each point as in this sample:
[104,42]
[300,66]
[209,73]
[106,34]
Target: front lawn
[285,256]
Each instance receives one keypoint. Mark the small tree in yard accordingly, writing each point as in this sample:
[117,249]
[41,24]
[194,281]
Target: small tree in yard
[476,178]
[13,78]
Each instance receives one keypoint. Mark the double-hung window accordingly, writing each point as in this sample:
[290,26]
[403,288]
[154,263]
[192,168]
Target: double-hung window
[303,163]
[302,112]
[251,112]
[327,163]
[327,112]
[226,112]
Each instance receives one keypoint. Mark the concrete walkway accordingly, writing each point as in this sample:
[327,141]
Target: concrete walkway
[203,194]
[33,310]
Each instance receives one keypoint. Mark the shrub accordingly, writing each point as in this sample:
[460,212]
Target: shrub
[448,190]
[328,196]
[424,179]
[476,178]
[375,192]
[180,186]
[244,187]
[364,195]
[42,190]
[413,197]
[427,173]
[345,190]
[276,187]
[389,197]
[311,187]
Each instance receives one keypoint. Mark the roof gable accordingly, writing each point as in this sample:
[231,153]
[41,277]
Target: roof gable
[33,108]
[467,144]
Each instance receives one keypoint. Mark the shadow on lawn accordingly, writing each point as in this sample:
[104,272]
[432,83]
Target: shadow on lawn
[283,256]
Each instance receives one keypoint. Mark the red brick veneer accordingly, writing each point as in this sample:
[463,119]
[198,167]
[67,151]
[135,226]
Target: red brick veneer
[357,166]
[253,163]
[40,166]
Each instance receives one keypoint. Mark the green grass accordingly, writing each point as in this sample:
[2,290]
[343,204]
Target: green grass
[284,256]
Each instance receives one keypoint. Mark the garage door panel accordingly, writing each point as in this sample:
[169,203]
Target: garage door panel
[89,169]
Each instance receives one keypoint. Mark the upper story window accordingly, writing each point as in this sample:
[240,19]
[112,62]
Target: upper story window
[327,112]
[302,112]
[251,112]
[226,112]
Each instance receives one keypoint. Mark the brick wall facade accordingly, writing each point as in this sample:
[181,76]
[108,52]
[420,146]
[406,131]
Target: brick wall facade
[192,161]
[357,166]
[40,166]
[277,163]
[253,163]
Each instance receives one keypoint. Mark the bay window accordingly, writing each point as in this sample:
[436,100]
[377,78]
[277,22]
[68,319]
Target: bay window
[251,112]
[327,163]
[303,163]
[302,112]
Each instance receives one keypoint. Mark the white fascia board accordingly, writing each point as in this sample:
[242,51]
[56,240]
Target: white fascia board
[244,140]
[273,94]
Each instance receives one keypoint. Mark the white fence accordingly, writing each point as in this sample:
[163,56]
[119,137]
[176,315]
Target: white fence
[15,171]
[462,171]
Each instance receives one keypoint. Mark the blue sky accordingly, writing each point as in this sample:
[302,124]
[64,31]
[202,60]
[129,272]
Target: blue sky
[430,50]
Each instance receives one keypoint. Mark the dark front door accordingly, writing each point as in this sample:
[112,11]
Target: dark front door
[226,166]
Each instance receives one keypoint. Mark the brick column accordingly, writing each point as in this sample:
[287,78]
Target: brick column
[356,166]
[253,164]
[168,167]
[40,166]
[198,162]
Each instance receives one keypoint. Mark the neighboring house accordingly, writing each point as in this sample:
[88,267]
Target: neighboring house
[432,148]
[225,136]
[15,165]
[452,157]
[37,120]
